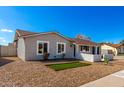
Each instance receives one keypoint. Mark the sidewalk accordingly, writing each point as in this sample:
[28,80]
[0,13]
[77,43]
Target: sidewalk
[119,57]
[113,80]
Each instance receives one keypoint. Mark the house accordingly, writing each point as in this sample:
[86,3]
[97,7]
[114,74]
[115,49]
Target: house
[114,49]
[32,46]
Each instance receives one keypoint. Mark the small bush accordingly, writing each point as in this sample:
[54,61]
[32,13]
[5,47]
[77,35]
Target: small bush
[106,60]
[63,55]
[46,56]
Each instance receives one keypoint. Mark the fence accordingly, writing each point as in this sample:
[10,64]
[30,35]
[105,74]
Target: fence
[6,51]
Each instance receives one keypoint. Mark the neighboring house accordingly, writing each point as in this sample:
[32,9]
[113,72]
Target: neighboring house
[114,49]
[32,46]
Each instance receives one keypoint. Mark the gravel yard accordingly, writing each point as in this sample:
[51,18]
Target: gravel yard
[14,72]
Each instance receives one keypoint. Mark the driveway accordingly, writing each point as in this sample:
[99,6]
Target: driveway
[4,61]
[113,80]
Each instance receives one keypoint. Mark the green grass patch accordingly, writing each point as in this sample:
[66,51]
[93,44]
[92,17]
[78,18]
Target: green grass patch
[63,66]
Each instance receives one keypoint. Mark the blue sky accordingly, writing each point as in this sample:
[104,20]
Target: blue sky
[99,23]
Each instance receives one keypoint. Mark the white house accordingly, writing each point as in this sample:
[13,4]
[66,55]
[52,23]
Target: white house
[32,46]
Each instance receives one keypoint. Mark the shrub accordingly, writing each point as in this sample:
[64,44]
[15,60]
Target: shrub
[46,56]
[106,60]
[63,55]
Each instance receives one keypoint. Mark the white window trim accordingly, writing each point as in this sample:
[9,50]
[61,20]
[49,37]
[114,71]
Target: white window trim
[85,51]
[57,48]
[38,41]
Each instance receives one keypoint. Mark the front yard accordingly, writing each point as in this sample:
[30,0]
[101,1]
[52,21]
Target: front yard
[14,72]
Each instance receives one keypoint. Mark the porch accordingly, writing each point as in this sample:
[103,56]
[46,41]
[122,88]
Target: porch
[90,53]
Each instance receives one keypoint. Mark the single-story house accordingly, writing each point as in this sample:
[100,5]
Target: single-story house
[32,46]
[114,49]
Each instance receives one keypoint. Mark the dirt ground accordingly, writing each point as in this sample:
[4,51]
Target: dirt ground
[15,72]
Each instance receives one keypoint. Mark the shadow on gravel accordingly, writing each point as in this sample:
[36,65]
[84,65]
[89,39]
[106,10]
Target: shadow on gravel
[4,61]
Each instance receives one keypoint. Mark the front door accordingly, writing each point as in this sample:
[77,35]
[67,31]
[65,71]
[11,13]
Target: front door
[45,48]
[98,50]
[93,50]
[74,51]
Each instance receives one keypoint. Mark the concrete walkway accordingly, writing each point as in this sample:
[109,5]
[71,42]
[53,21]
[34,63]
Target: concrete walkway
[118,57]
[113,80]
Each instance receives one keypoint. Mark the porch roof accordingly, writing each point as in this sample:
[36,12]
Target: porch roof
[84,42]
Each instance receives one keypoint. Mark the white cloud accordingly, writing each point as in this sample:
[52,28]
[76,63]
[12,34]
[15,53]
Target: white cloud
[2,40]
[6,30]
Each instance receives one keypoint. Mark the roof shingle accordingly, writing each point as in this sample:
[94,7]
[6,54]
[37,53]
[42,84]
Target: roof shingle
[74,40]
[113,45]
[24,33]
[83,41]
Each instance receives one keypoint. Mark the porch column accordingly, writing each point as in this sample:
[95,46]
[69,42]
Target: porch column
[77,51]
[77,48]
[96,49]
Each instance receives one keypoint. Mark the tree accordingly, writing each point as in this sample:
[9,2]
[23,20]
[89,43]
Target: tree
[107,42]
[122,42]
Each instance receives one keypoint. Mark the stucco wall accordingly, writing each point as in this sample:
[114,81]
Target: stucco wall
[87,56]
[97,58]
[109,56]
[90,57]
[31,46]
[122,49]
[21,48]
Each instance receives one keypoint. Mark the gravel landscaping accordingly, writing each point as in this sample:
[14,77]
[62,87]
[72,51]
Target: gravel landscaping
[14,72]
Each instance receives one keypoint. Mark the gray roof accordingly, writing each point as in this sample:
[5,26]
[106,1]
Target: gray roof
[24,33]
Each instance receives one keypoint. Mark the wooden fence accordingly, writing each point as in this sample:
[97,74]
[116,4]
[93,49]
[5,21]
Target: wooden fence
[8,51]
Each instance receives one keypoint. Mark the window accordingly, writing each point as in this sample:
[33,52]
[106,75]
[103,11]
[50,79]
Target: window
[110,52]
[84,48]
[61,47]
[42,47]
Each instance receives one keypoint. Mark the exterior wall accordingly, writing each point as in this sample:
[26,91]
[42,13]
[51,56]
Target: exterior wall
[8,51]
[121,50]
[87,56]
[94,58]
[105,48]
[97,57]
[90,57]
[21,48]
[109,56]
[31,47]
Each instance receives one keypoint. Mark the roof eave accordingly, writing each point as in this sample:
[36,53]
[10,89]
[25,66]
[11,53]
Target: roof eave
[26,36]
